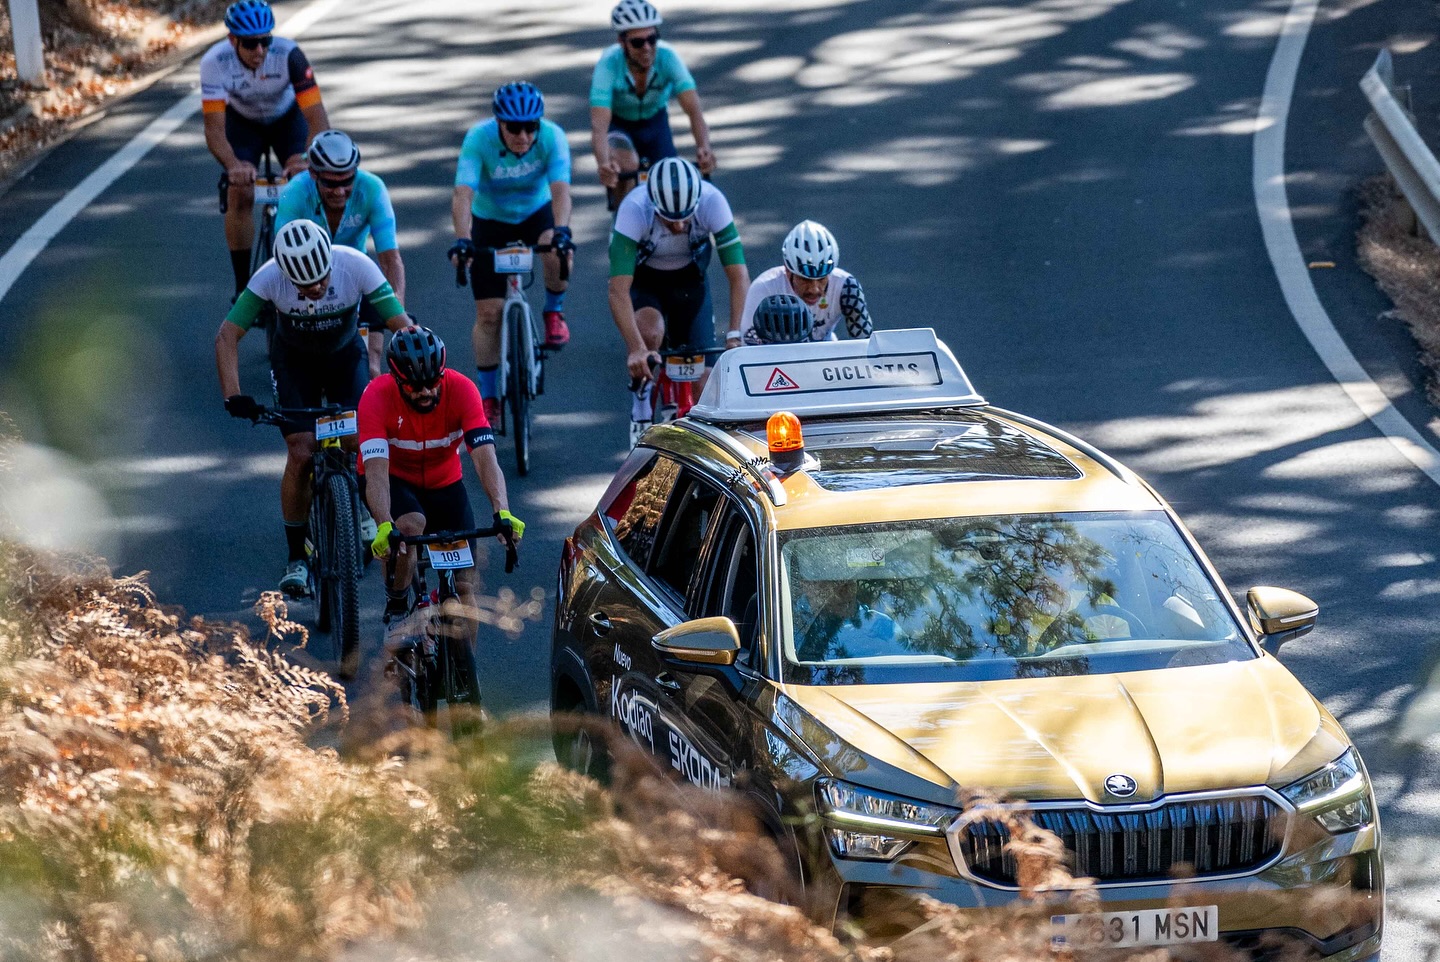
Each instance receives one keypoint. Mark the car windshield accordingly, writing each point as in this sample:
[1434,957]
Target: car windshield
[1018,596]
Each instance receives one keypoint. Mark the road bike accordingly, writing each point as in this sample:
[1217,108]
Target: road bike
[521,377]
[640,175]
[434,661]
[675,372]
[336,559]
[268,186]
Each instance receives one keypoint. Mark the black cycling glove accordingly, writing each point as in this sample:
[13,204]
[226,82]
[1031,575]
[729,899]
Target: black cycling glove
[563,240]
[462,248]
[243,406]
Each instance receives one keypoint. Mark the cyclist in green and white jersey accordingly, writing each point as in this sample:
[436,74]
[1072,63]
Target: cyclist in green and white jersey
[317,353]
[354,206]
[512,184]
[630,92]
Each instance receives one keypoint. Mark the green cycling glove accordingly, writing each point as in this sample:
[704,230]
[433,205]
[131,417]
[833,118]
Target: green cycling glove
[380,547]
[517,527]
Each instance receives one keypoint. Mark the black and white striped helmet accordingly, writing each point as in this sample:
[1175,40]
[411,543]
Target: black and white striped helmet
[333,152]
[634,15]
[810,250]
[675,188]
[303,252]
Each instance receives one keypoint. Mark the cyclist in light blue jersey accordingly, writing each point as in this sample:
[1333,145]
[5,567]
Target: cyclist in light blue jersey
[630,92]
[354,206]
[512,184]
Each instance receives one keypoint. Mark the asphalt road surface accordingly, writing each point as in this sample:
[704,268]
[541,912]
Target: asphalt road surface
[1062,188]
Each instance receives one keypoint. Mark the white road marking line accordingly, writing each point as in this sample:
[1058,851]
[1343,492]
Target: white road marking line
[1273,205]
[82,195]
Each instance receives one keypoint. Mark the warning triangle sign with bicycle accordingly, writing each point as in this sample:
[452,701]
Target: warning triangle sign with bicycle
[780,381]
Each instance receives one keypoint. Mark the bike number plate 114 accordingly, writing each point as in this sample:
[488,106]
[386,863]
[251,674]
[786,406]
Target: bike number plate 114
[685,368]
[514,260]
[455,554]
[341,425]
[1145,927]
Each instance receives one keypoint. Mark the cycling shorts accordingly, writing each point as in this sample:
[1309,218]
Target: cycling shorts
[445,509]
[683,299]
[286,135]
[650,136]
[302,379]
[484,282]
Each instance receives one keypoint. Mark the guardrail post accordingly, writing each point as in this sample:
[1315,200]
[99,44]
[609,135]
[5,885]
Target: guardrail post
[29,48]
[1409,159]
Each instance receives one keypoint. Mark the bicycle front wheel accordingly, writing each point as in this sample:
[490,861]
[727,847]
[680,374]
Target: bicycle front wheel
[460,681]
[522,359]
[342,567]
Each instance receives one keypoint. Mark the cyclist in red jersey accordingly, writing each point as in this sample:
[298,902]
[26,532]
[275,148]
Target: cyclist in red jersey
[411,427]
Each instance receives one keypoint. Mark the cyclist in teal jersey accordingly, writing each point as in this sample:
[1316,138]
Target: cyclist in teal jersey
[354,206]
[630,91]
[512,184]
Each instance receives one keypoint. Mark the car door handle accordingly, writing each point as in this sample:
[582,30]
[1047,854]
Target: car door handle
[667,681]
[599,622]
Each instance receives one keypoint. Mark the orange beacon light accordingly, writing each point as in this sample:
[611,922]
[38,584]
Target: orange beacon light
[787,444]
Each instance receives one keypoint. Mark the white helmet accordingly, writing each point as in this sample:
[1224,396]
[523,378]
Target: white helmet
[634,15]
[810,250]
[303,252]
[333,152]
[675,188]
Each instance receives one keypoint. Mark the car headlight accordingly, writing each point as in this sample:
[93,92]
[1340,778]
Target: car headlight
[1337,796]
[874,825]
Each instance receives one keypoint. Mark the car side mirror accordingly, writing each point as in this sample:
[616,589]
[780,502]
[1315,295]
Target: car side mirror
[704,641]
[1279,615]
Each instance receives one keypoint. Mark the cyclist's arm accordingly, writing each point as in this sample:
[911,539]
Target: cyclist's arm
[742,335]
[480,440]
[215,139]
[394,270]
[622,275]
[468,173]
[227,357]
[387,247]
[600,139]
[690,103]
[557,174]
[377,487]
[854,309]
[492,479]
[460,214]
[560,202]
[374,455]
[602,103]
[307,94]
[739,277]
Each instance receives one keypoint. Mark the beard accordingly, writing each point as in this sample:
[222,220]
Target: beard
[424,405]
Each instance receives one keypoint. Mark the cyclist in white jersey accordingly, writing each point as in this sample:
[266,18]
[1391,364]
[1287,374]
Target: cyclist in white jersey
[257,91]
[317,353]
[810,253]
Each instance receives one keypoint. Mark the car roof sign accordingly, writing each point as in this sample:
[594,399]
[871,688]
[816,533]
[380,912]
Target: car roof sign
[905,370]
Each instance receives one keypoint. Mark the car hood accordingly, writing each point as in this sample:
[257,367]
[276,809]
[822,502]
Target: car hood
[1203,728]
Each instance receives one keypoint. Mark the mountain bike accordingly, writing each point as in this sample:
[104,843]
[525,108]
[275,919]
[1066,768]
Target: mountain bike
[435,662]
[675,371]
[336,559]
[521,377]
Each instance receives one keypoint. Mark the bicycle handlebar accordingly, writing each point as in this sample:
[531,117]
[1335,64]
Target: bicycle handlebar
[462,264]
[279,415]
[446,537]
[658,357]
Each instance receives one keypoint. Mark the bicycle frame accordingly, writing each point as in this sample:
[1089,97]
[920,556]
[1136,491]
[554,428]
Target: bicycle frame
[679,370]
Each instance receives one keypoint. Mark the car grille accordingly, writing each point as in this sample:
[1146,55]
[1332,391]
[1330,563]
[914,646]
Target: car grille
[1211,837]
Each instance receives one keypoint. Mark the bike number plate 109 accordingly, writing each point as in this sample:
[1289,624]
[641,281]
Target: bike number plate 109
[685,368]
[450,556]
[514,260]
[341,425]
[1145,927]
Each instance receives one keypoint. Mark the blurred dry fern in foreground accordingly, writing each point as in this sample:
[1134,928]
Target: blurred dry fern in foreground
[160,800]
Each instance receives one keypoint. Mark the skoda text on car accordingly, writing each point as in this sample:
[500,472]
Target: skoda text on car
[903,593]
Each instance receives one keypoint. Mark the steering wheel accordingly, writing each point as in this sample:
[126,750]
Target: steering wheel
[1133,624]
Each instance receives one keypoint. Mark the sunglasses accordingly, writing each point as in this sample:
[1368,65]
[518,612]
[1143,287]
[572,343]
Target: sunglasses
[336,184]
[253,43]
[518,127]
[409,388]
[640,43]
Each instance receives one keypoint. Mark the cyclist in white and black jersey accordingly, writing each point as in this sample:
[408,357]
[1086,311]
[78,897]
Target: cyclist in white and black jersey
[810,253]
[665,232]
[257,91]
[317,353]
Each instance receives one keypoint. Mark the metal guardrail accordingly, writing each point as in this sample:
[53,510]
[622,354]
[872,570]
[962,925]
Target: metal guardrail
[1392,128]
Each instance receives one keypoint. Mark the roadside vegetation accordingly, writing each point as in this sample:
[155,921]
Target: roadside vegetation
[94,50]
[1406,265]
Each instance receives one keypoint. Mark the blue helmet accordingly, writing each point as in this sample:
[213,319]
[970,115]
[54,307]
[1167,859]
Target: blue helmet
[519,102]
[249,18]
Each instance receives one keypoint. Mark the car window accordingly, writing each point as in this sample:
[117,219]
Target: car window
[637,508]
[1000,597]
[732,588]
[683,532]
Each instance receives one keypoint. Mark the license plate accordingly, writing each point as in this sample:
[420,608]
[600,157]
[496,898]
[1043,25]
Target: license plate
[513,260]
[456,554]
[1121,930]
[685,368]
[341,425]
[267,193]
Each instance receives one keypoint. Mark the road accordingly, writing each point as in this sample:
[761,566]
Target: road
[1062,188]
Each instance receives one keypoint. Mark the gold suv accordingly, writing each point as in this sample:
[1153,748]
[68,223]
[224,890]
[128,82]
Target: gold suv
[850,589]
